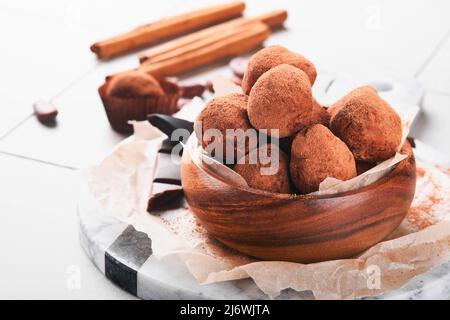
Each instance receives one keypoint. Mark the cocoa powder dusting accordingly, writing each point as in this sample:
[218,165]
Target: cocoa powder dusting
[422,216]
[429,197]
[185,225]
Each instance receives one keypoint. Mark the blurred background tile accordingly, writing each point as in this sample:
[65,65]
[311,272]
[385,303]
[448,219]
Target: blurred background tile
[362,37]
[432,124]
[436,75]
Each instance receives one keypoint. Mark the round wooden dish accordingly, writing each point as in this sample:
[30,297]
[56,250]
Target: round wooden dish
[300,228]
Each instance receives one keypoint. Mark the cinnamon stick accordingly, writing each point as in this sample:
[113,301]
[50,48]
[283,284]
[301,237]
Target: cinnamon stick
[273,19]
[164,28]
[232,31]
[248,39]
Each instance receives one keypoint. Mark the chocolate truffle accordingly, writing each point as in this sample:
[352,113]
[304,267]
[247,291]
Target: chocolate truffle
[275,180]
[317,154]
[367,124]
[334,108]
[273,56]
[236,99]
[134,84]
[222,113]
[281,99]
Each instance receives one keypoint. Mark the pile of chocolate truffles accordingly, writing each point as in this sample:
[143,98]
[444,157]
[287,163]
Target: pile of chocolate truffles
[316,142]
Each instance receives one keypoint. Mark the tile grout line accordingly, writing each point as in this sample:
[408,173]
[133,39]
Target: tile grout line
[435,91]
[38,160]
[58,94]
[74,82]
[432,54]
[67,87]
[17,125]
[29,116]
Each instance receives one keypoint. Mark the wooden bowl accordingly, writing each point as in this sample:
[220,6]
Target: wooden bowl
[300,228]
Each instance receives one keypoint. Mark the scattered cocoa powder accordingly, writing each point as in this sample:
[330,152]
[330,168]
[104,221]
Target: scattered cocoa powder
[422,213]
[420,172]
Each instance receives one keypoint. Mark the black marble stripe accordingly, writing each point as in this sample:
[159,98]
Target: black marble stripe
[125,256]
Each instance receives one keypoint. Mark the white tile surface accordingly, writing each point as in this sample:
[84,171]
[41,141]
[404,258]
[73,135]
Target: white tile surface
[82,135]
[39,236]
[436,75]
[40,57]
[45,46]
[362,37]
[368,37]
[432,124]
[12,116]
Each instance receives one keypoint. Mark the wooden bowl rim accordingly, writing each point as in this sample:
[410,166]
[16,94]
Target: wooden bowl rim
[282,196]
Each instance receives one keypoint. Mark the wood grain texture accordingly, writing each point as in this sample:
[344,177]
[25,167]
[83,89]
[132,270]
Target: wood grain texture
[300,228]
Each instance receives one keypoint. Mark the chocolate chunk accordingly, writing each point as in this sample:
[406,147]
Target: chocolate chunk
[191,91]
[167,171]
[412,141]
[162,195]
[167,146]
[46,112]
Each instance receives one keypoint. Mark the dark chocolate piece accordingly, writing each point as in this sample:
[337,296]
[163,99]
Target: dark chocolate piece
[412,142]
[162,195]
[46,112]
[167,146]
[166,185]
[167,171]
[194,90]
